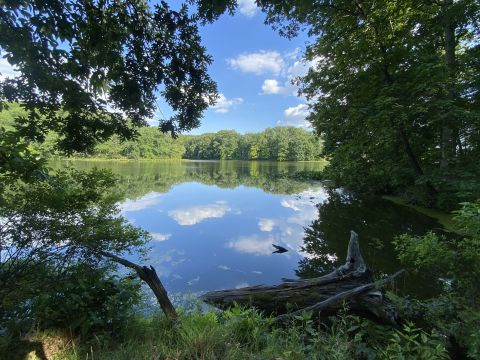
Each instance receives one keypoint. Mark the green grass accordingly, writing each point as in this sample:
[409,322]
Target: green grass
[231,335]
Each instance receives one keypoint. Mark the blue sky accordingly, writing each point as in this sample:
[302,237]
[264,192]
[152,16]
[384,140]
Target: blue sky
[253,67]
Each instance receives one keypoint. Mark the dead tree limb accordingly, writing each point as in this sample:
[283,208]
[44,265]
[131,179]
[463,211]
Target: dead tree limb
[150,277]
[352,282]
[339,297]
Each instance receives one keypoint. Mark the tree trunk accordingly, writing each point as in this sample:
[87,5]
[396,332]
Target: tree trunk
[448,127]
[351,282]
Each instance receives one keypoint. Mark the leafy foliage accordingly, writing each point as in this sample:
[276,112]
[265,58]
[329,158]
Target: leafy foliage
[89,70]
[277,144]
[456,263]
[57,229]
[280,143]
[84,301]
[394,92]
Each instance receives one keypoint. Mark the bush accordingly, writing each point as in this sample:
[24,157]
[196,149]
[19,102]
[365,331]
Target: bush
[455,260]
[87,301]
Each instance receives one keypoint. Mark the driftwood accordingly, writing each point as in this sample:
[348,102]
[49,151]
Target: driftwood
[352,282]
[150,277]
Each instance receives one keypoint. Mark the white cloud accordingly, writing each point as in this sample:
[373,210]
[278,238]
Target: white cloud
[306,199]
[270,86]
[266,224]
[294,67]
[224,105]
[252,245]
[160,236]
[262,62]
[141,203]
[7,70]
[299,111]
[273,87]
[247,7]
[196,214]
[296,116]
[290,203]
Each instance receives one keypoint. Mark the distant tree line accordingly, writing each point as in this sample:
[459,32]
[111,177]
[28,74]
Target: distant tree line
[281,143]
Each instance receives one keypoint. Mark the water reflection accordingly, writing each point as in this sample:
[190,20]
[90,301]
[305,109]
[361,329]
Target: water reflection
[377,222]
[206,237]
[213,223]
[196,214]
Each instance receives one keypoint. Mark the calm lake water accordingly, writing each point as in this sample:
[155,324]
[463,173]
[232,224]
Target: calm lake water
[213,223]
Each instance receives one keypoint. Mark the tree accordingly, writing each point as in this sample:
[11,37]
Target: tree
[89,70]
[392,90]
[49,227]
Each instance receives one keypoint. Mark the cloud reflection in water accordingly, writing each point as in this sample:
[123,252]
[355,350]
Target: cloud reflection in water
[196,214]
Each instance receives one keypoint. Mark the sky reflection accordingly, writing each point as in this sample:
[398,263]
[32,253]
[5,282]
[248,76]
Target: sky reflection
[206,238]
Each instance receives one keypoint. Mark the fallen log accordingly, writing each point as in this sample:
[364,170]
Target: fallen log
[352,282]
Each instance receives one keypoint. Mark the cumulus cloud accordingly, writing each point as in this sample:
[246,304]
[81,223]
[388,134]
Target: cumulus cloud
[262,62]
[7,70]
[247,7]
[196,214]
[296,116]
[294,67]
[271,86]
[266,224]
[224,105]
[160,236]
[141,203]
[252,245]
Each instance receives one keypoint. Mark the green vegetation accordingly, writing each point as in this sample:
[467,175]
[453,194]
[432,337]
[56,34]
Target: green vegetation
[53,235]
[91,70]
[137,178]
[456,263]
[444,218]
[395,96]
[246,334]
[399,103]
[281,143]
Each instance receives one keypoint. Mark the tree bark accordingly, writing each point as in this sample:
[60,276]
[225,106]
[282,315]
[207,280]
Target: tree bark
[351,282]
[448,146]
[150,277]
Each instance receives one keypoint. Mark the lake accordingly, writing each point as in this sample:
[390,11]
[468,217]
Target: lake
[213,223]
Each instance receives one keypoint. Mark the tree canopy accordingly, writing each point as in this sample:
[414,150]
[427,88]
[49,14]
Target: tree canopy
[89,70]
[394,90]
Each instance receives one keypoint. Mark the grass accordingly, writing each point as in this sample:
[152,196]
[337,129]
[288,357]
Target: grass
[235,334]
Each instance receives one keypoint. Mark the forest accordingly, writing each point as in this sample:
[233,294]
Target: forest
[393,92]
[280,143]
[276,144]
